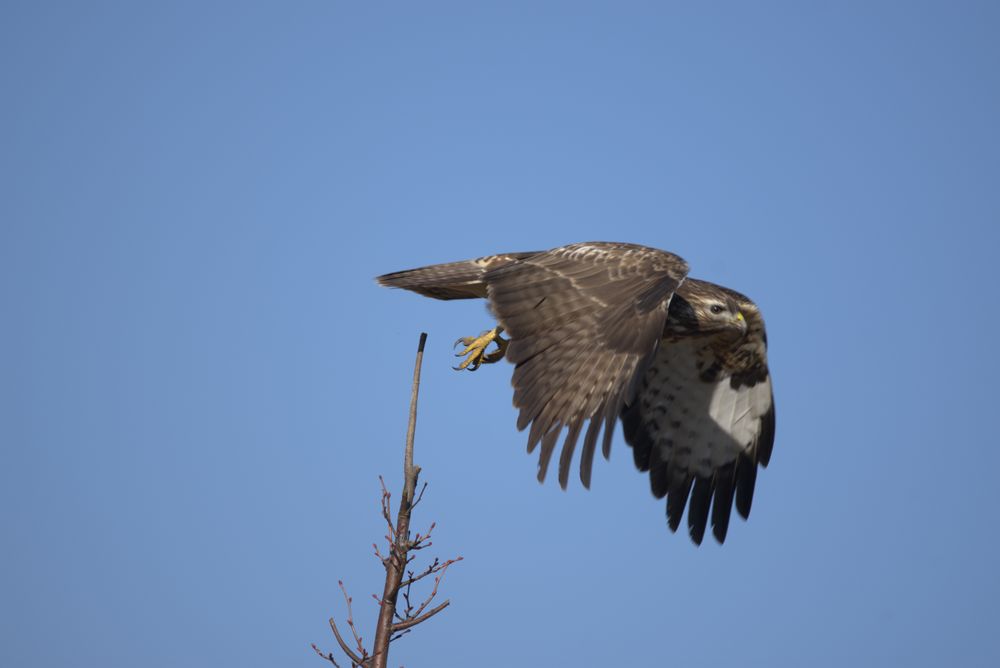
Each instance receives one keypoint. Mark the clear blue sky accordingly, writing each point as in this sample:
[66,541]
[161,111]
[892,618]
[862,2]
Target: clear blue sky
[200,381]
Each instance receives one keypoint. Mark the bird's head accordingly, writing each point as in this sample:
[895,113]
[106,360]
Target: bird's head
[700,308]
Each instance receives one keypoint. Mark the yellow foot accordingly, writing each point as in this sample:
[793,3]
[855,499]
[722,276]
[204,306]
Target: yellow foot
[475,348]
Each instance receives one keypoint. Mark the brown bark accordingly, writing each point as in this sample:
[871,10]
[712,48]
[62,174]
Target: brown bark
[396,565]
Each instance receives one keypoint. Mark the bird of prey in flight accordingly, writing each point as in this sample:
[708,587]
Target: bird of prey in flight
[603,331]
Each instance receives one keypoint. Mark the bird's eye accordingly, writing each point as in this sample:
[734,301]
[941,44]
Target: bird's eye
[716,308]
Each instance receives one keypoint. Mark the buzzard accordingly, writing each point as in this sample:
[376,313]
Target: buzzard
[602,331]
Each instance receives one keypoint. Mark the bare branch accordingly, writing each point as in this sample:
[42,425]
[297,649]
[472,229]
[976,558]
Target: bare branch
[350,619]
[419,496]
[386,510]
[413,621]
[399,635]
[394,623]
[409,470]
[437,581]
[344,646]
[430,570]
[397,560]
[328,657]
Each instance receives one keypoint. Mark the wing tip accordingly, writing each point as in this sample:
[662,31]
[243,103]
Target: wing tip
[746,481]
[701,497]
[722,501]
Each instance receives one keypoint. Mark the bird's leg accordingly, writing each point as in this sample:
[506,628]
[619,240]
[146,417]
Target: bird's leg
[475,348]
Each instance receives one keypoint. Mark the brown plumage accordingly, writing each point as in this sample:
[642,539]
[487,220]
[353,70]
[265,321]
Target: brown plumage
[601,331]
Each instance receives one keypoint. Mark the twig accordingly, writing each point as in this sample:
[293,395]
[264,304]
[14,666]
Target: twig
[350,619]
[430,570]
[328,656]
[437,581]
[419,496]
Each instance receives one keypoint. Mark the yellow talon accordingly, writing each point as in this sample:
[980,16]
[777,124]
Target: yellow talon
[475,348]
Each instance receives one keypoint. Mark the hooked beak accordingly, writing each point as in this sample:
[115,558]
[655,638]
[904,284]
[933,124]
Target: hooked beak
[742,321]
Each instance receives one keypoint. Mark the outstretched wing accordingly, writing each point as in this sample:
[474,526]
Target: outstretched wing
[584,322]
[702,422]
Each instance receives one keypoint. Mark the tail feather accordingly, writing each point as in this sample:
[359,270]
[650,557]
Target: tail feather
[452,280]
